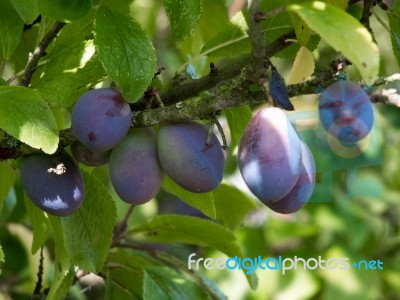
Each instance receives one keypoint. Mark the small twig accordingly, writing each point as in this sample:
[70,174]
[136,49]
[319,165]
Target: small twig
[39,52]
[385,80]
[38,286]
[210,134]
[123,226]
[221,131]
[158,73]
[158,99]
[366,13]
[150,95]
[260,16]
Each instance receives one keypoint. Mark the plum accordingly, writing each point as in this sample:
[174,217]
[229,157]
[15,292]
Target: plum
[53,183]
[135,172]
[302,190]
[100,119]
[346,112]
[87,157]
[269,155]
[186,158]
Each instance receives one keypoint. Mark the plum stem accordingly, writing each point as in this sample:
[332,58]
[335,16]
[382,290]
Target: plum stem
[120,230]
[221,131]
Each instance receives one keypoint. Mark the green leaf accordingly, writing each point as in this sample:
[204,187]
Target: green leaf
[63,282]
[232,40]
[232,205]
[68,74]
[76,32]
[125,51]
[8,204]
[337,28]
[65,10]
[27,117]
[291,51]
[88,231]
[215,16]
[125,264]
[1,257]
[63,90]
[7,177]
[193,231]
[27,9]
[203,201]
[189,230]
[238,118]
[40,225]
[183,16]
[27,45]
[394,23]
[165,283]
[62,263]
[11,27]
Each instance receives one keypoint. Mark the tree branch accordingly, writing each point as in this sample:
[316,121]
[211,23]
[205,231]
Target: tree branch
[39,52]
[195,87]
[257,38]
[236,94]
[366,13]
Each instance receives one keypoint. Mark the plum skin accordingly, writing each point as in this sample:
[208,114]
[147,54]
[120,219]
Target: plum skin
[135,172]
[53,183]
[100,119]
[87,157]
[346,112]
[187,159]
[269,155]
[302,190]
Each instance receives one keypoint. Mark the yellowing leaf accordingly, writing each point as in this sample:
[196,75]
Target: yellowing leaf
[303,66]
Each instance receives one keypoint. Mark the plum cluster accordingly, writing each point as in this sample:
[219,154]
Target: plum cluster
[276,165]
[137,158]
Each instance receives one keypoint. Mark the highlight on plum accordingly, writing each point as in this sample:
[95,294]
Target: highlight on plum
[276,165]
[53,183]
[269,155]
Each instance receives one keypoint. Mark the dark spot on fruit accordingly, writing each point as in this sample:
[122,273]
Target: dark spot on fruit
[207,147]
[119,101]
[91,136]
[112,112]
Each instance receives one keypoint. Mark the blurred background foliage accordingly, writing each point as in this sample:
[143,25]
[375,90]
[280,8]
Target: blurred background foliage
[353,212]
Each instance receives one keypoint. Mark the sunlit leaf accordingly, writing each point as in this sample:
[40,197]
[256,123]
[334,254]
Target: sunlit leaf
[337,28]
[27,117]
[183,16]
[125,51]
